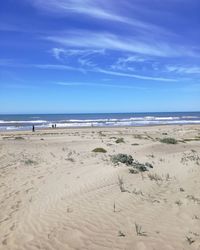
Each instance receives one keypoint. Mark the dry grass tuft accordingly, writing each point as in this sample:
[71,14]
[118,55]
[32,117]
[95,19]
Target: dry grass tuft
[139,231]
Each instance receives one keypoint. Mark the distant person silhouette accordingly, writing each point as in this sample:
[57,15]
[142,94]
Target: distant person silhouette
[33,128]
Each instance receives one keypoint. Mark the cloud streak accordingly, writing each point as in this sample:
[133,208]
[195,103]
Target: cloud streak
[93,8]
[183,69]
[61,53]
[128,63]
[140,77]
[91,68]
[102,85]
[53,66]
[106,72]
[97,9]
[105,40]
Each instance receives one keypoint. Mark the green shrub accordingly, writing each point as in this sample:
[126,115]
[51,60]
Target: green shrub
[19,138]
[120,140]
[101,133]
[133,171]
[122,158]
[30,162]
[169,140]
[140,166]
[149,165]
[99,150]
[155,177]
[129,161]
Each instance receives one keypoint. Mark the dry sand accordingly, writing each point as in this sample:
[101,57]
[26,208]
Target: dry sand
[55,193]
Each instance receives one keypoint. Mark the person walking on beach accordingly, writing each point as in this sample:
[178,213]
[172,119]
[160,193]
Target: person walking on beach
[33,128]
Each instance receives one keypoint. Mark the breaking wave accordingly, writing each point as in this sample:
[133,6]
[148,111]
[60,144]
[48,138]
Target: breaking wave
[99,122]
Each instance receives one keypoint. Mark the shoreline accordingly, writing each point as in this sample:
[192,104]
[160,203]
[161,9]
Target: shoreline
[101,120]
[53,130]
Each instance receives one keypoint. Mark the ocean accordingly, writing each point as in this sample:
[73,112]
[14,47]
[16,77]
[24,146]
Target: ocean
[41,121]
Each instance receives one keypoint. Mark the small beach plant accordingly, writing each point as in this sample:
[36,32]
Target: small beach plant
[99,150]
[120,140]
[169,140]
[122,158]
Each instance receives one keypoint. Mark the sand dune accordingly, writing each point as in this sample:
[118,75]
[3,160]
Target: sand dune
[55,193]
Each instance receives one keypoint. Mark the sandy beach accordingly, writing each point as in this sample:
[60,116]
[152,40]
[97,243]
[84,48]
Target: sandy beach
[56,193]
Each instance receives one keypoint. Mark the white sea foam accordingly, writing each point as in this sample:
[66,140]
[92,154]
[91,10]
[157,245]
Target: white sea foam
[161,118]
[189,117]
[22,122]
[124,123]
[149,118]
[131,121]
[88,120]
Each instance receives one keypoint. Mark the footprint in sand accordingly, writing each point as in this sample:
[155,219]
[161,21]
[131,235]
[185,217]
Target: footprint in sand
[4,242]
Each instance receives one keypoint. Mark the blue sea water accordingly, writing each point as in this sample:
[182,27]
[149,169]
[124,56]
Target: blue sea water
[25,122]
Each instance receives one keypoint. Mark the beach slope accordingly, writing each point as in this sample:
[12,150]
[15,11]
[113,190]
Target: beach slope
[56,193]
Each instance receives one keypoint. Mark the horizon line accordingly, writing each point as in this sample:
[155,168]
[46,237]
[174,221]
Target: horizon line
[93,113]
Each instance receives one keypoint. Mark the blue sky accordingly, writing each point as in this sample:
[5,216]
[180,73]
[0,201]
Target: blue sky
[76,56]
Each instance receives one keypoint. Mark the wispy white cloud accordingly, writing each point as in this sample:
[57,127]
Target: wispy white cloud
[126,62]
[53,66]
[57,52]
[86,63]
[93,8]
[183,69]
[90,68]
[144,46]
[101,85]
[141,77]
[61,53]
[57,67]
[131,58]
[15,64]
[103,71]
[98,9]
